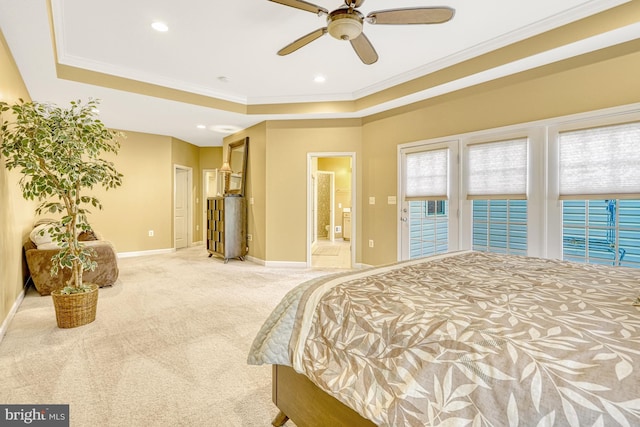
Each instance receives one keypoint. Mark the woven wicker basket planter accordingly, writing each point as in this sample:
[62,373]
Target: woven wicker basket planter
[75,309]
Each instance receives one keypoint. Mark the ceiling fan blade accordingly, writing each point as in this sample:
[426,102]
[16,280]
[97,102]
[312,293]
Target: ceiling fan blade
[414,15]
[303,5]
[302,41]
[364,49]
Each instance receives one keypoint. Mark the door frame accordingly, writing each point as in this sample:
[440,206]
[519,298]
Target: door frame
[310,201]
[453,144]
[189,214]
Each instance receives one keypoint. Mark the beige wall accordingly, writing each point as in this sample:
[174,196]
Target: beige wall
[16,214]
[255,192]
[288,143]
[144,201]
[277,178]
[588,83]
[210,157]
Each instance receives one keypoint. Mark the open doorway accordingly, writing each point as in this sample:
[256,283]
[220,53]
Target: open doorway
[330,213]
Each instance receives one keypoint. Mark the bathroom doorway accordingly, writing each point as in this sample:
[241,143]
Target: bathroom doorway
[331,202]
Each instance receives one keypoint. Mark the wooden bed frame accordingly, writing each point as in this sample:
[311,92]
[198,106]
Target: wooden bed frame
[305,404]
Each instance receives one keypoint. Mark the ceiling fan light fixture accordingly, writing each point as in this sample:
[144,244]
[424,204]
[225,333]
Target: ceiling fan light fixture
[343,25]
[346,22]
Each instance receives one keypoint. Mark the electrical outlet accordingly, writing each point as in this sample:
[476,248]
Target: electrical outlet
[249,237]
[370,243]
[150,233]
[197,227]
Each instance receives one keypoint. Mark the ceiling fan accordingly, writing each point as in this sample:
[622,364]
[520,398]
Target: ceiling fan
[345,23]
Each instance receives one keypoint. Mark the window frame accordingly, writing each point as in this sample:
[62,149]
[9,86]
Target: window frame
[534,192]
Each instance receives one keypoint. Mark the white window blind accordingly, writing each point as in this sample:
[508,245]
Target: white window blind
[497,170]
[427,175]
[603,161]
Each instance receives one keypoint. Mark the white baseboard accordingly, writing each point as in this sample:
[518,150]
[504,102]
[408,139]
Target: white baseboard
[145,253]
[11,314]
[255,260]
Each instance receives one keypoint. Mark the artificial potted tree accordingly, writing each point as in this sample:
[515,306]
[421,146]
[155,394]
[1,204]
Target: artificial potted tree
[58,152]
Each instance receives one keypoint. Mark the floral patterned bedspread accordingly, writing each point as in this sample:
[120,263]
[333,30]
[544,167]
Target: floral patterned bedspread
[476,339]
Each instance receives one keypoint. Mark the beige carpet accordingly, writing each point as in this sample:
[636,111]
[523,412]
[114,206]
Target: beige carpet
[168,347]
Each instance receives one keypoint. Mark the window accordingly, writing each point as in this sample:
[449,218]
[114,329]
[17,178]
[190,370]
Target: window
[436,207]
[602,231]
[500,226]
[593,163]
[497,170]
[600,161]
[497,185]
[427,175]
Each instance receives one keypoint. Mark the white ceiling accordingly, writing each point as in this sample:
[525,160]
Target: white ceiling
[213,40]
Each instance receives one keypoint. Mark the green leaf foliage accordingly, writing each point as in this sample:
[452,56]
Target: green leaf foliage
[59,152]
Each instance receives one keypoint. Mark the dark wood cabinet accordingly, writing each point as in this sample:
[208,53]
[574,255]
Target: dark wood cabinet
[227,227]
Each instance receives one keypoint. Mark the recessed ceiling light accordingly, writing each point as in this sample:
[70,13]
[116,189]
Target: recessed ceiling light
[225,128]
[201,127]
[319,78]
[160,26]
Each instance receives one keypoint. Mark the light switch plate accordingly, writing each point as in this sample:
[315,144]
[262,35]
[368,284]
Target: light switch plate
[372,200]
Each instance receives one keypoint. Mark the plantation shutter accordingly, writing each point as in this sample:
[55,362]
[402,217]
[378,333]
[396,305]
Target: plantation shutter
[600,163]
[427,175]
[497,170]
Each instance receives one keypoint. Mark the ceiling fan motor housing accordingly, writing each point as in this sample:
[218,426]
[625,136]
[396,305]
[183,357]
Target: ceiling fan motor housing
[345,24]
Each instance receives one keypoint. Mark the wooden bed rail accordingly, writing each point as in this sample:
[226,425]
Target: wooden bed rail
[305,404]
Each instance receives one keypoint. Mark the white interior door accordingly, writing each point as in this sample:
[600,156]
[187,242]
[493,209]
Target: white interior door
[181,208]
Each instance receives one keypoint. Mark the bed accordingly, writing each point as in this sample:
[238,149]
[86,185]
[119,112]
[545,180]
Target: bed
[466,338]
